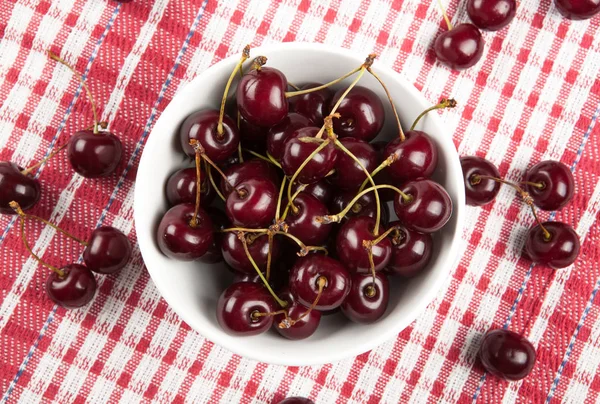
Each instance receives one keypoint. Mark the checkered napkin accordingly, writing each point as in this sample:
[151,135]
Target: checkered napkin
[534,95]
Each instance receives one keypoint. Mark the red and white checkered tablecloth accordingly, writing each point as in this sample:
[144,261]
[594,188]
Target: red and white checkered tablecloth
[535,95]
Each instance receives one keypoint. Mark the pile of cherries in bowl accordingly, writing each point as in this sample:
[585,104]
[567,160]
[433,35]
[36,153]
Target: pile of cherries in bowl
[288,189]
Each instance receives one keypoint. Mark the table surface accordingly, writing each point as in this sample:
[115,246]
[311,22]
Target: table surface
[534,95]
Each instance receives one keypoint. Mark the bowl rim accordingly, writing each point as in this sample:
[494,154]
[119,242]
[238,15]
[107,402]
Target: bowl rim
[360,346]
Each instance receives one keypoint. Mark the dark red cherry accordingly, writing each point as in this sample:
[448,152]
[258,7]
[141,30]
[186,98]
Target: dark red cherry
[181,188]
[252,137]
[278,134]
[238,304]
[578,9]
[314,105]
[491,15]
[278,279]
[321,190]
[252,203]
[108,250]
[417,156]
[296,400]
[350,249]
[235,256]
[411,251]
[261,96]
[301,329]
[220,222]
[506,354]
[202,126]
[367,302]
[15,186]
[479,191]
[349,175]
[365,206]
[295,151]
[249,169]
[459,48]
[555,184]
[362,114]
[94,155]
[73,290]
[304,278]
[428,210]
[178,239]
[560,251]
[303,224]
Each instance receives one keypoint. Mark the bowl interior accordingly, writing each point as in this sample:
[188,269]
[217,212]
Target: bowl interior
[192,289]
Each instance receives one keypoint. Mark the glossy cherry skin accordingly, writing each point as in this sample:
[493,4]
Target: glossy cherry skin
[94,155]
[491,15]
[296,400]
[349,175]
[506,354]
[578,9]
[430,207]
[178,239]
[261,96]
[459,48]
[479,191]
[303,224]
[411,251]
[304,278]
[350,249]
[359,306]
[322,190]
[202,126]
[253,203]
[220,222]
[108,250]
[558,182]
[253,137]
[417,156]
[314,105]
[278,134]
[249,169]
[235,256]
[362,114]
[366,205]
[559,252]
[14,186]
[295,151]
[181,188]
[75,289]
[301,329]
[236,305]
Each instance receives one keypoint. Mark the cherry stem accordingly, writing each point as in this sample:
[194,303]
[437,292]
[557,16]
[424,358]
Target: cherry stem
[17,208]
[194,221]
[269,254]
[538,185]
[304,163]
[321,87]
[102,125]
[58,271]
[244,229]
[372,268]
[212,181]
[301,188]
[198,148]
[260,156]
[304,249]
[58,59]
[448,23]
[240,154]
[278,210]
[238,66]
[293,86]
[259,62]
[385,163]
[257,314]
[444,103]
[389,96]
[273,160]
[287,323]
[369,178]
[368,244]
[28,170]
[242,238]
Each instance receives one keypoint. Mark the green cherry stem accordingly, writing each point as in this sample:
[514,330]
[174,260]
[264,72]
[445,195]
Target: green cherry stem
[444,103]
[238,66]
[212,180]
[385,163]
[391,100]
[28,170]
[321,87]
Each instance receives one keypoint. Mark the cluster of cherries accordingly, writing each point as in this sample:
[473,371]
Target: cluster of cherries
[92,153]
[462,45]
[305,227]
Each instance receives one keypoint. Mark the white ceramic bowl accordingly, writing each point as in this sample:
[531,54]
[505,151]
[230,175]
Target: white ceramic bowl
[192,289]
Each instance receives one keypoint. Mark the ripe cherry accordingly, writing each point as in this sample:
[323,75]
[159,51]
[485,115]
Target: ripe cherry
[278,134]
[550,184]
[72,289]
[252,137]
[578,9]
[553,243]
[314,105]
[428,209]
[181,188]
[479,191]
[235,256]
[249,169]
[321,190]
[108,250]
[94,154]
[367,301]
[416,156]
[491,15]
[362,114]
[349,175]
[506,354]
[303,327]
[411,251]
[220,222]
[460,47]
[351,250]
[178,238]
[239,305]
[302,221]
[296,151]
[252,203]
[203,126]
[366,205]
[304,278]
[16,186]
